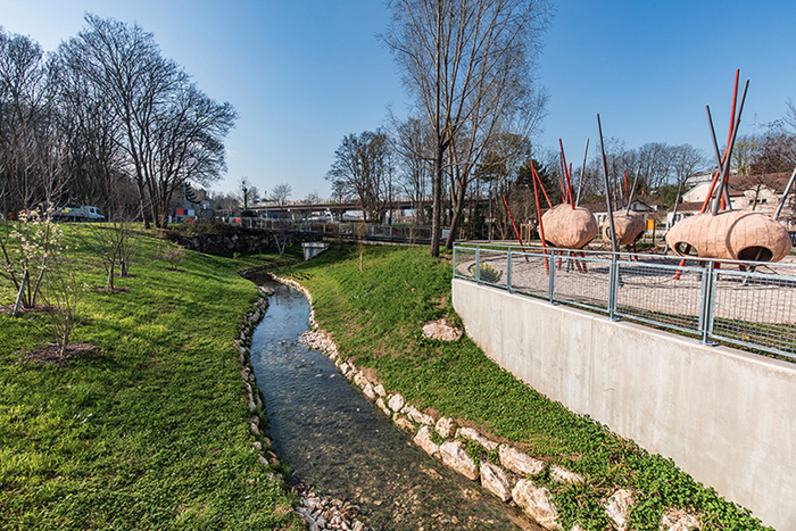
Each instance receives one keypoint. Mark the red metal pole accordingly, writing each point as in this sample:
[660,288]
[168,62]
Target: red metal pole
[536,176]
[627,192]
[569,186]
[539,217]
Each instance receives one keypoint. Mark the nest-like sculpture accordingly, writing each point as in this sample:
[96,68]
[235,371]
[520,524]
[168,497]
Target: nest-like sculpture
[629,228]
[569,228]
[731,235]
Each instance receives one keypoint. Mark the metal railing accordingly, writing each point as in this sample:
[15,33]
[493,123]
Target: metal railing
[348,230]
[746,304]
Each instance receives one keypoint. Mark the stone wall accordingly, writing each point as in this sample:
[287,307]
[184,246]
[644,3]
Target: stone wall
[231,239]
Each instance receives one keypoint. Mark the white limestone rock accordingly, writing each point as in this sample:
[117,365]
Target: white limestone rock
[519,462]
[470,433]
[535,501]
[359,379]
[423,440]
[417,416]
[446,427]
[674,519]
[396,402]
[381,405]
[562,475]
[380,390]
[368,391]
[442,330]
[496,480]
[618,507]
[455,457]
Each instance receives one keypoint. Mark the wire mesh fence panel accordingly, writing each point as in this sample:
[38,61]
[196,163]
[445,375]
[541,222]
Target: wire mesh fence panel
[661,294]
[529,273]
[492,267]
[754,310]
[464,262]
[583,281]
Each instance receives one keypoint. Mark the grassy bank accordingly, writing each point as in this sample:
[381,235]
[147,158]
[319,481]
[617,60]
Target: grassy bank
[376,314]
[148,431]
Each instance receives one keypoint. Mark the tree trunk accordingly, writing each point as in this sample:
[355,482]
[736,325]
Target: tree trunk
[436,208]
[458,209]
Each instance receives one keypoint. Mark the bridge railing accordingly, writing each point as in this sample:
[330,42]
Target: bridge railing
[351,230]
[741,303]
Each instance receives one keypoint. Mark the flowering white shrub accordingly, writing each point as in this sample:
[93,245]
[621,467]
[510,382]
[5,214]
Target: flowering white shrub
[29,248]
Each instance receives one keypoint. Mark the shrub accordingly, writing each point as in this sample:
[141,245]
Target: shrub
[490,274]
[174,255]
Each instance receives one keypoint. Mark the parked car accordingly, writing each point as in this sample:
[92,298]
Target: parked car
[78,213]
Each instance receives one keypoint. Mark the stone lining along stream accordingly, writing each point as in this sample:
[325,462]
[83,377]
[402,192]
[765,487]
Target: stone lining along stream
[341,447]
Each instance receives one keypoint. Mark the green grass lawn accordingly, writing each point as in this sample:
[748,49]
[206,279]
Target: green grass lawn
[150,431]
[376,315]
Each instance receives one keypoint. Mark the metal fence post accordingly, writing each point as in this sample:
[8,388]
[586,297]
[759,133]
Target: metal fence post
[613,285]
[551,278]
[478,263]
[454,260]
[508,270]
[708,300]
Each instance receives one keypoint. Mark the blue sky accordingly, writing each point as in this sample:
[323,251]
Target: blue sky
[304,73]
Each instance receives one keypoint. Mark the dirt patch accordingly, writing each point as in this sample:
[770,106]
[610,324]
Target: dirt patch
[51,353]
[433,413]
[370,375]
[111,290]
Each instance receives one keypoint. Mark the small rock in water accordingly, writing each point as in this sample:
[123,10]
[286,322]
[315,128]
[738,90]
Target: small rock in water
[454,456]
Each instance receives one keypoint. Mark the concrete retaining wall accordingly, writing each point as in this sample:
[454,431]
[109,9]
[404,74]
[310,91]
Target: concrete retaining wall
[726,417]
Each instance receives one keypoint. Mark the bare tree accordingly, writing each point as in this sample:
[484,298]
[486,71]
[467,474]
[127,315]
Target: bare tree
[93,160]
[745,152]
[280,193]
[686,161]
[468,65]
[777,150]
[29,149]
[411,143]
[312,197]
[362,170]
[170,131]
[223,201]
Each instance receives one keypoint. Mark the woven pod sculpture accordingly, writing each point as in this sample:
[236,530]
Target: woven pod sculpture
[629,228]
[569,228]
[731,235]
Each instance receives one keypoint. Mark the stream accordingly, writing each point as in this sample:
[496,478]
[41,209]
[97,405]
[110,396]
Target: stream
[338,443]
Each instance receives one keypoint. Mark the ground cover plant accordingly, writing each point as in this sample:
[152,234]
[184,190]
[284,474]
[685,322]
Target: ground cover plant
[375,302]
[147,428]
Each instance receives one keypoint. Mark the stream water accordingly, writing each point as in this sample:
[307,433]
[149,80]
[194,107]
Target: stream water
[336,441]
